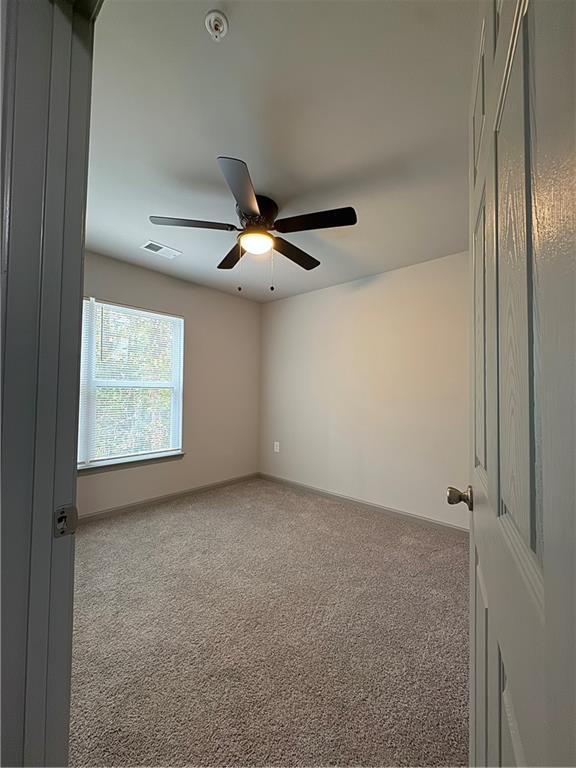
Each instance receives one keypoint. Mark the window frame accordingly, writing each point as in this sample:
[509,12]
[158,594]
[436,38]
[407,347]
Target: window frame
[177,385]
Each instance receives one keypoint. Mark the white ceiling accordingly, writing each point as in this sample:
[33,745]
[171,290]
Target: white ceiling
[330,104]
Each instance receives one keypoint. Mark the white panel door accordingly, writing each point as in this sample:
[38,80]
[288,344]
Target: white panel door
[522,239]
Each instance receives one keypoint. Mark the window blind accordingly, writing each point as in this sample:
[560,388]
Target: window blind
[130,384]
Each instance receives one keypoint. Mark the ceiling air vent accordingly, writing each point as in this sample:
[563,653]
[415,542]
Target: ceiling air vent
[161,250]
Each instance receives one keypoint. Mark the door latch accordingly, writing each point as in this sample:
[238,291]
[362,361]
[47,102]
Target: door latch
[65,521]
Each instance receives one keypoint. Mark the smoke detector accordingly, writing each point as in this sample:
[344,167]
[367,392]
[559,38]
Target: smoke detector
[216,24]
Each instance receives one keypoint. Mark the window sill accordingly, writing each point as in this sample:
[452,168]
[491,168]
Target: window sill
[129,463]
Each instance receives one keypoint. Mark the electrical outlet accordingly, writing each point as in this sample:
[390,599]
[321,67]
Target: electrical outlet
[276,447]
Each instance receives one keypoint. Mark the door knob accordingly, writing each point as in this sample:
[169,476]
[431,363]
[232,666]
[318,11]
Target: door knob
[454,496]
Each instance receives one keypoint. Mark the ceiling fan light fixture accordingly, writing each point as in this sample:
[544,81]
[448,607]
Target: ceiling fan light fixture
[256,243]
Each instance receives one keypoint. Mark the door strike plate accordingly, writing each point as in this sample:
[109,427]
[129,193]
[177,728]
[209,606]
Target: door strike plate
[65,521]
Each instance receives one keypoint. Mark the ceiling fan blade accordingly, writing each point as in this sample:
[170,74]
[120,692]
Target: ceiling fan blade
[232,257]
[171,222]
[238,179]
[295,254]
[338,217]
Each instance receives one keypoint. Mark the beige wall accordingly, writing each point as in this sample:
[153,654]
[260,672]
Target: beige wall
[221,385]
[365,386]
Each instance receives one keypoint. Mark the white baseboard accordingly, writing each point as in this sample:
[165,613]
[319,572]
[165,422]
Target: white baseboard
[368,504]
[112,511]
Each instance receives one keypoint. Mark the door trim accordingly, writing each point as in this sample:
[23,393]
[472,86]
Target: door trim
[47,74]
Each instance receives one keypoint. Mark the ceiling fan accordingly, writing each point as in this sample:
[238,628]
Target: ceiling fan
[257,215]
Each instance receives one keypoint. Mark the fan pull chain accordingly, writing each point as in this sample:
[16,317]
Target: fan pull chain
[240,268]
[272,271]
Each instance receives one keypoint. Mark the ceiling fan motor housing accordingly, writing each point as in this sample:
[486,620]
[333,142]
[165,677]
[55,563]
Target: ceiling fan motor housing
[268,214]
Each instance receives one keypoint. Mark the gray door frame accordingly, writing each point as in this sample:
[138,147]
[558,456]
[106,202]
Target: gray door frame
[47,74]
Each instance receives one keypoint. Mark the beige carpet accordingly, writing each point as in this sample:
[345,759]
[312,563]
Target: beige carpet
[260,625]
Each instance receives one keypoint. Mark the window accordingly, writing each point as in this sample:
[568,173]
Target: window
[130,385]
